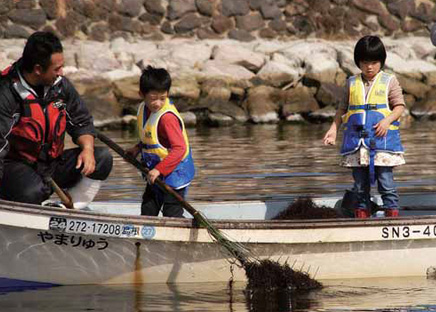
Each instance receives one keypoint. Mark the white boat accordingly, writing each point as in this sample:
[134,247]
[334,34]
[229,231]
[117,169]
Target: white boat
[111,244]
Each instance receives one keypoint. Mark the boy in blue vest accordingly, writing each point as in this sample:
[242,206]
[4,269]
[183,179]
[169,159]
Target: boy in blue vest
[163,145]
[371,145]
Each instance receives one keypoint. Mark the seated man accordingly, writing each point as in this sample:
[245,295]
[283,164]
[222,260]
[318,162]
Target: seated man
[37,106]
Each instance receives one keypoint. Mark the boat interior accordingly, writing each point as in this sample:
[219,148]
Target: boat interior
[411,205]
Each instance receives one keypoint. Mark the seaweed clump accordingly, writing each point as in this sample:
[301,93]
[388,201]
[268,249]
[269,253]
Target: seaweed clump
[304,208]
[272,286]
[270,275]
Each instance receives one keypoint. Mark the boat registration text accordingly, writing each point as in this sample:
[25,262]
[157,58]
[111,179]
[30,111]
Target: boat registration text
[88,227]
[408,231]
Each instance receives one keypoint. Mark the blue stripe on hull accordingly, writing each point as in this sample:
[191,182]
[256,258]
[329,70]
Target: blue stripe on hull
[8,284]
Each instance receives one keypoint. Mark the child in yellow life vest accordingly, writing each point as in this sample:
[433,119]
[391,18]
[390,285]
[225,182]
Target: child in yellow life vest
[371,145]
[163,145]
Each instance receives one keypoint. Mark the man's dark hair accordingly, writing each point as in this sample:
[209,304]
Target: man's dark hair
[369,48]
[38,50]
[154,79]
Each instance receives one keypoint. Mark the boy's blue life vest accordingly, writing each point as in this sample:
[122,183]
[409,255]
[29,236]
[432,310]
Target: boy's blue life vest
[365,111]
[153,152]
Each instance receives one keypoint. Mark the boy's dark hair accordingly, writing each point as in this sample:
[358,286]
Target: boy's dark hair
[154,79]
[369,48]
[38,50]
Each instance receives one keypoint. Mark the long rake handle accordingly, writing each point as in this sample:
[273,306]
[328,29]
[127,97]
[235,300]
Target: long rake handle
[235,249]
[62,195]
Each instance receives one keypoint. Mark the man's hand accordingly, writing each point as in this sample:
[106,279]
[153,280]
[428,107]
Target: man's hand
[86,157]
[153,175]
[381,128]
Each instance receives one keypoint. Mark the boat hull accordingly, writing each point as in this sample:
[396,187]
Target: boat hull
[35,247]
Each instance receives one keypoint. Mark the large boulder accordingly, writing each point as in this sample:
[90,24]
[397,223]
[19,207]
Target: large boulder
[298,100]
[4,60]
[412,68]
[330,94]
[191,54]
[100,99]
[235,54]
[189,119]
[185,91]
[412,86]
[318,58]
[143,51]
[234,7]
[28,17]
[426,108]
[326,114]
[261,104]
[127,92]
[96,56]
[346,59]
[277,74]
[178,8]
[217,69]
[216,98]
[430,78]
[13,48]
[227,108]
[215,92]
[117,74]
[220,120]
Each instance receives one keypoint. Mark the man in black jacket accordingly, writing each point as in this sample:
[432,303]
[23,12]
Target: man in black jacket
[37,106]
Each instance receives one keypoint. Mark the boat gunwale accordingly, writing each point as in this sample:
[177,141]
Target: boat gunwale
[221,224]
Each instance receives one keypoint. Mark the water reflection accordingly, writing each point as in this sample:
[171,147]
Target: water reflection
[394,294]
[274,161]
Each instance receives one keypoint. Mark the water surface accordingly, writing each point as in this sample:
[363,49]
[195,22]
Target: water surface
[253,162]
[395,294]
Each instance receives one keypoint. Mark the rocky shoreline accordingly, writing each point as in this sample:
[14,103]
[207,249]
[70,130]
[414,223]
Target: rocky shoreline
[223,82]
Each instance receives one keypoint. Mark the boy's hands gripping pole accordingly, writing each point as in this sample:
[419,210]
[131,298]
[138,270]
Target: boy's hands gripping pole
[128,156]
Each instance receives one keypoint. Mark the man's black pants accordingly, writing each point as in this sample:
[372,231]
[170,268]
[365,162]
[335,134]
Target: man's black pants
[22,183]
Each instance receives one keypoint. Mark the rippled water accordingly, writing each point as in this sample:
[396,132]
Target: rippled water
[407,295]
[274,161]
[255,162]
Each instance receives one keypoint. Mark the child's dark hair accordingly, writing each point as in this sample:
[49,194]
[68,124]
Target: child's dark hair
[369,48]
[154,79]
[38,50]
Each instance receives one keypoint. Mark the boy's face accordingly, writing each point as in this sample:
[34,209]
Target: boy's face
[370,68]
[155,100]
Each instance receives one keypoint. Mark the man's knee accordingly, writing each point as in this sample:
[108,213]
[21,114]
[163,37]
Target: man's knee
[34,193]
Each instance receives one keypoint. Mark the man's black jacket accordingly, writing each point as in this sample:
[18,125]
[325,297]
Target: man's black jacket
[79,120]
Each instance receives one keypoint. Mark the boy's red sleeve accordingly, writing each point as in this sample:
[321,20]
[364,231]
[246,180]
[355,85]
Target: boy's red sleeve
[171,136]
